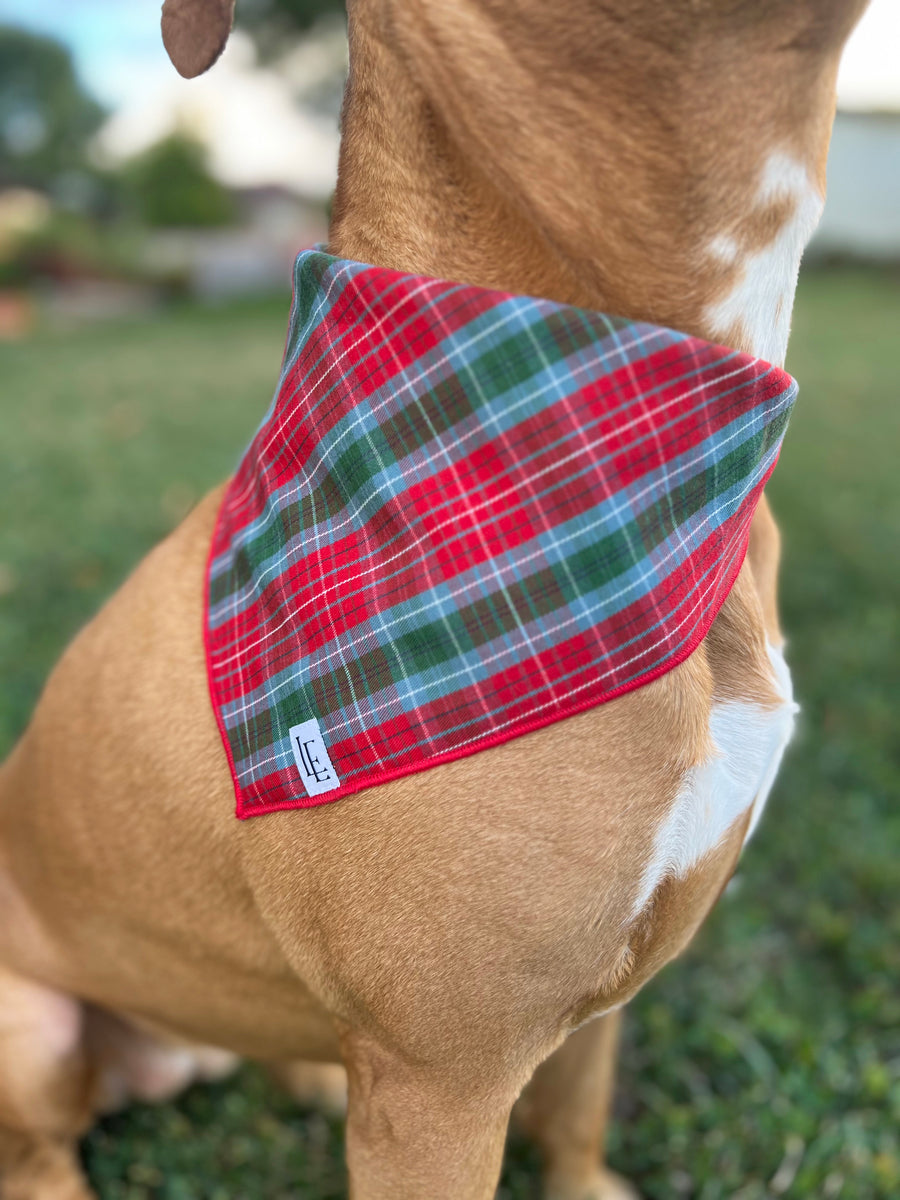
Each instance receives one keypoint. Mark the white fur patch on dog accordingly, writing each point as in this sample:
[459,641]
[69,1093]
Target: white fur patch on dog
[762,298]
[749,742]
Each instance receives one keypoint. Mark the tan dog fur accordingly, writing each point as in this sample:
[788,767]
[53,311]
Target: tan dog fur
[444,934]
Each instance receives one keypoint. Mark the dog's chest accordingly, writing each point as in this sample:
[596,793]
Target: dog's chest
[747,743]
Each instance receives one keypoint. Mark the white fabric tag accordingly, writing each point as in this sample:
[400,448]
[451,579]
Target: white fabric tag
[311,757]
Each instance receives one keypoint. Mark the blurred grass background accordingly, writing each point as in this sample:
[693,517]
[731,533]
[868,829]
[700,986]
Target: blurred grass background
[767,1061]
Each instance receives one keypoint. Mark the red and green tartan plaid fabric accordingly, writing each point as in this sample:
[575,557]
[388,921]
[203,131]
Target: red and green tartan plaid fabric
[468,514]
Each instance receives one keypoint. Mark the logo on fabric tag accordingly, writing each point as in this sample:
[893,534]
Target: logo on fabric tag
[311,757]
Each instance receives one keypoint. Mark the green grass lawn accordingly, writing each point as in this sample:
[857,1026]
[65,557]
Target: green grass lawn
[767,1061]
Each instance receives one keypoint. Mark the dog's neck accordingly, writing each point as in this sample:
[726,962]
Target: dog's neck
[668,167]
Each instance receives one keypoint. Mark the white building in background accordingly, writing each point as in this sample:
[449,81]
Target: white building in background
[862,211]
[255,256]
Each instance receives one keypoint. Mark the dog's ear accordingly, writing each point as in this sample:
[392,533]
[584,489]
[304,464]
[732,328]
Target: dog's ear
[194,33]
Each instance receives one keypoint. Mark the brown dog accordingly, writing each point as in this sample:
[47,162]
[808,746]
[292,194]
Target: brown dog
[445,937]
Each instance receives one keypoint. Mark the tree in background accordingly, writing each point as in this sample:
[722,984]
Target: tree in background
[272,20]
[46,116]
[169,185]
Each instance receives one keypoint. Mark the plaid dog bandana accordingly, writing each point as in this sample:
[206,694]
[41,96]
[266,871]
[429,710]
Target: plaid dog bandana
[468,514]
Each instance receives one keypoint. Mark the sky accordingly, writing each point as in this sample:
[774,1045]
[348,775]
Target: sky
[248,116]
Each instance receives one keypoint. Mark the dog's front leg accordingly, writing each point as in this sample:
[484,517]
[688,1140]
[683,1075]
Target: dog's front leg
[411,1135]
[46,1088]
[565,1110]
